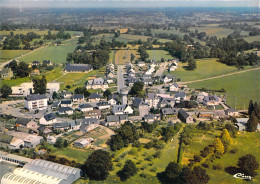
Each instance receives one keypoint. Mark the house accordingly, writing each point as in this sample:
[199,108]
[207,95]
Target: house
[142,106]
[6,73]
[174,87]
[98,83]
[211,100]
[26,88]
[168,113]
[10,142]
[131,80]
[45,130]
[62,126]
[122,109]
[35,72]
[113,99]
[94,97]
[65,110]
[88,127]
[47,63]
[148,81]
[184,116]
[167,78]
[66,103]
[48,119]
[78,68]
[82,143]
[55,105]
[152,100]
[96,113]
[150,118]
[78,98]
[137,102]
[115,120]
[231,112]
[36,102]
[85,107]
[141,64]
[103,105]
[31,141]
[109,80]
[201,96]
[26,123]
[36,63]
[172,67]
[166,102]
[180,96]
[67,94]
[75,125]
[241,123]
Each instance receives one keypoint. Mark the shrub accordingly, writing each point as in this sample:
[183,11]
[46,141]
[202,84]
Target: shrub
[197,158]
[157,154]
[218,166]
[149,158]
[133,151]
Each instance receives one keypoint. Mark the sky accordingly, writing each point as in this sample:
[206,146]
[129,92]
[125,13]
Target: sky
[130,3]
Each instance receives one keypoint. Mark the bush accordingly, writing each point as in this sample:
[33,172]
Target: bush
[218,166]
[133,151]
[137,144]
[157,154]
[197,158]
[149,158]
[233,151]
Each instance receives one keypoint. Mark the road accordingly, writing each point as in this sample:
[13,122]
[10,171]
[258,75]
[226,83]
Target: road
[120,77]
[220,76]
[161,69]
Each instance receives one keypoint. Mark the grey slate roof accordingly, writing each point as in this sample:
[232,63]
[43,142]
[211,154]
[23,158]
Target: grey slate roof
[65,102]
[94,95]
[35,97]
[118,108]
[85,106]
[87,121]
[169,111]
[49,117]
[61,125]
[64,109]
[211,98]
[78,67]
[55,104]
[23,121]
[152,96]
[149,116]
[180,94]
[138,101]
[78,96]
[183,114]
[102,104]
[113,118]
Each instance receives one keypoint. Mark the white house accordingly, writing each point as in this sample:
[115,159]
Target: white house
[172,67]
[167,78]
[122,109]
[85,107]
[174,87]
[98,83]
[152,100]
[65,110]
[48,119]
[36,102]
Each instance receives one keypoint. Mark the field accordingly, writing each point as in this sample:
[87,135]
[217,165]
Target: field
[123,56]
[122,38]
[112,56]
[25,31]
[57,54]
[208,67]
[252,38]
[241,88]
[156,55]
[6,55]
[213,30]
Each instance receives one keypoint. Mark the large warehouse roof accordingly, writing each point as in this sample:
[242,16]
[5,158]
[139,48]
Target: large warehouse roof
[10,178]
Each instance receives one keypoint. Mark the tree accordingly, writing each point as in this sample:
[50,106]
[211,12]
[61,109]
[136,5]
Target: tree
[187,176]
[201,174]
[225,139]
[132,57]
[6,91]
[172,172]
[143,53]
[54,95]
[251,125]
[98,165]
[40,85]
[82,90]
[117,34]
[137,89]
[191,63]
[23,70]
[128,170]
[107,93]
[65,144]
[218,146]
[248,165]
[250,107]
[59,143]
[257,109]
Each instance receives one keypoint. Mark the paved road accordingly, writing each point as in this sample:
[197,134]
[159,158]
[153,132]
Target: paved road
[220,76]
[120,77]
[161,69]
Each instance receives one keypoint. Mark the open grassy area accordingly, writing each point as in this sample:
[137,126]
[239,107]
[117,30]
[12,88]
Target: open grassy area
[241,88]
[213,30]
[252,38]
[208,67]
[123,56]
[112,56]
[56,54]
[156,55]
[122,38]
[14,82]
[6,55]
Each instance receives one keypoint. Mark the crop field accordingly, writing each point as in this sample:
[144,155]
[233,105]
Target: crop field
[123,56]
[123,37]
[57,54]
[156,55]
[252,38]
[240,88]
[213,30]
[6,55]
[208,67]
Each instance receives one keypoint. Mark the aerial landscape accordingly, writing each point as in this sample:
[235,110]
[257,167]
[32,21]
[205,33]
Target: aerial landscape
[129,91]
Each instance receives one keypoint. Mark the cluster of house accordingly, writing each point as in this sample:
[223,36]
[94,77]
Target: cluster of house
[44,62]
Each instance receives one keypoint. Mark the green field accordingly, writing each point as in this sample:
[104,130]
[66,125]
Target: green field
[208,67]
[57,54]
[240,87]
[252,38]
[6,55]
[156,55]
[213,30]
[122,38]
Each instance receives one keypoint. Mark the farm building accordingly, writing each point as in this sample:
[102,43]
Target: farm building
[185,117]
[78,68]
[82,143]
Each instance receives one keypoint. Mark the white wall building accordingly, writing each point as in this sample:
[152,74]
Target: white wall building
[36,102]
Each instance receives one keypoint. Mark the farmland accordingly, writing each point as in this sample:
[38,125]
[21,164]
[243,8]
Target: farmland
[213,30]
[123,56]
[205,68]
[6,55]
[240,88]
[156,55]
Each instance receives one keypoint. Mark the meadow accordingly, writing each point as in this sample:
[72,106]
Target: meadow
[6,55]
[156,55]
[252,38]
[57,54]
[240,88]
[208,67]
[213,30]
[124,56]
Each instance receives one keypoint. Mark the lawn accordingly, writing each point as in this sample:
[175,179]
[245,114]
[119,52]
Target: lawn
[123,56]
[57,54]
[205,68]
[156,55]
[240,88]
[6,55]
[14,82]
[112,56]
